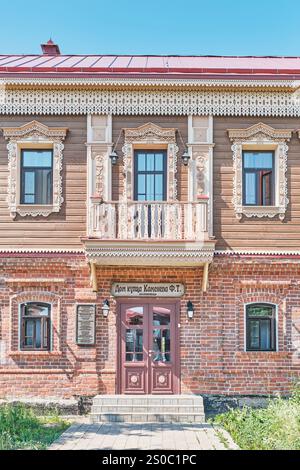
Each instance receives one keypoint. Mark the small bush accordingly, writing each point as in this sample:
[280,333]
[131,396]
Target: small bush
[275,427]
[21,428]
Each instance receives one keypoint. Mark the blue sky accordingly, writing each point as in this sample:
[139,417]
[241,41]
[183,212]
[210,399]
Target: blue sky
[229,27]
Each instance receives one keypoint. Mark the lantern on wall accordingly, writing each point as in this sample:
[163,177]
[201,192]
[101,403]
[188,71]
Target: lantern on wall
[190,310]
[105,308]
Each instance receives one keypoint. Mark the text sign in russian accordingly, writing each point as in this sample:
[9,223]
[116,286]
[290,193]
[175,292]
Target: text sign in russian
[85,324]
[147,289]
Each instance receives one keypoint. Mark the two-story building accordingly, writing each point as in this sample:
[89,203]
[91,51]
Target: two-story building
[149,225]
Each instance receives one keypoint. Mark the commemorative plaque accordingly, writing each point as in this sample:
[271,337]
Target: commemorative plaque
[85,324]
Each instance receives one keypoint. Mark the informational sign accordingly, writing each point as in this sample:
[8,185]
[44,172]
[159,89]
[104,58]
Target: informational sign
[85,324]
[147,289]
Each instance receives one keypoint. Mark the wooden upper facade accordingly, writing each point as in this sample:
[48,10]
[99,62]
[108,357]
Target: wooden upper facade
[173,210]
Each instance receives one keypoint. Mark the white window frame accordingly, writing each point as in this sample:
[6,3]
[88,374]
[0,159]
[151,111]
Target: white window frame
[255,138]
[33,135]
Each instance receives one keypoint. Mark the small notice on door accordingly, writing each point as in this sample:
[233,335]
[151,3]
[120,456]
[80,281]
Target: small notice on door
[85,324]
[149,289]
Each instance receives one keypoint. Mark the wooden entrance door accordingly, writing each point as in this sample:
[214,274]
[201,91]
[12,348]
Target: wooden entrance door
[149,349]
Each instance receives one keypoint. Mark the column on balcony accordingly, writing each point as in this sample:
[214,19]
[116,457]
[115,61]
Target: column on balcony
[101,214]
[200,136]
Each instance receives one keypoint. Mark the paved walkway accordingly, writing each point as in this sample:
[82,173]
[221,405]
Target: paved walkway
[151,436]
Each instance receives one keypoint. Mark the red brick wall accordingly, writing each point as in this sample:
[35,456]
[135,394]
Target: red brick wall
[213,360]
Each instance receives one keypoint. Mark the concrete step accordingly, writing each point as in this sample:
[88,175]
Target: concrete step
[148,409]
[190,400]
[160,409]
[148,418]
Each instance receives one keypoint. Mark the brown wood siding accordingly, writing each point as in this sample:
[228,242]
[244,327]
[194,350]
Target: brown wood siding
[62,229]
[254,233]
[178,122]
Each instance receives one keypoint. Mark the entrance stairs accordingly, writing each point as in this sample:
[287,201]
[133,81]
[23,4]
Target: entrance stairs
[147,409]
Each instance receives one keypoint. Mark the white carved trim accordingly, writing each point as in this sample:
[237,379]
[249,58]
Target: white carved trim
[260,135]
[222,102]
[260,132]
[155,256]
[36,135]
[150,134]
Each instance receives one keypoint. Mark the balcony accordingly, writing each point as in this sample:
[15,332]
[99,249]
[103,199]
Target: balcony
[152,233]
[156,221]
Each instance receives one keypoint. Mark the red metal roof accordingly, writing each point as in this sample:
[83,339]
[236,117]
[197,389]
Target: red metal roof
[143,66]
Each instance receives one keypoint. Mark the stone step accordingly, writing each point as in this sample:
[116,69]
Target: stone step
[133,408]
[148,418]
[152,400]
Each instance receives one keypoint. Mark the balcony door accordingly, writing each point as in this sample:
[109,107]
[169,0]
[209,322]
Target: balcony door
[150,175]
[148,348]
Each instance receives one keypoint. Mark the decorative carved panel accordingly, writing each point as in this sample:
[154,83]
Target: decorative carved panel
[258,136]
[150,134]
[35,134]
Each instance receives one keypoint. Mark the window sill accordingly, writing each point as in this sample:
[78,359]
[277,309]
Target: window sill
[34,210]
[255,354]
[260,211]
[35,353]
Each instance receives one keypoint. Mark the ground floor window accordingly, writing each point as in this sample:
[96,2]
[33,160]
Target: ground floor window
[260,327]
[35,326]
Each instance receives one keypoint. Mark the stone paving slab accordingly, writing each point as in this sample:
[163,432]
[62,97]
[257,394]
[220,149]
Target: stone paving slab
[148,436]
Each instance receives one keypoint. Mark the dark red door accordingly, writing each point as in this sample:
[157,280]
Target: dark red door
[148,348]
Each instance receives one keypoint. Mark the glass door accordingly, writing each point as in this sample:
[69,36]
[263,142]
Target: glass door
[148,354]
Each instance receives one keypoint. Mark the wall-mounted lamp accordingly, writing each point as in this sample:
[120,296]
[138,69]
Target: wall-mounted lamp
[105,308]
[113,154]
[113,157]
[190,309]
[185,157]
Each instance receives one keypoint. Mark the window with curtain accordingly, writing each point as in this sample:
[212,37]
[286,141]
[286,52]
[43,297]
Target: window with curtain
[36,176]
[258,178]
[35,326]
[260,327]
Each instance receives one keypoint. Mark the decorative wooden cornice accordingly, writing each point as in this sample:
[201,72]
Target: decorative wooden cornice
[259,131]
[35,128]
[150,133]
[232,99]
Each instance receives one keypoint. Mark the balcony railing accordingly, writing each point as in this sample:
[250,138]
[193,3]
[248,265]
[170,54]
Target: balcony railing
[155,221]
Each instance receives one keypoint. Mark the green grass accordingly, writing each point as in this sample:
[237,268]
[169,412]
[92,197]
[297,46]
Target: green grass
[272,428]
[22,428]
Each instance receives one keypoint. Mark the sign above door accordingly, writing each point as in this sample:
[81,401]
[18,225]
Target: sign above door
[151,289]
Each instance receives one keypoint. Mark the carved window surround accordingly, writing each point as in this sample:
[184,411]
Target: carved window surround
[260,137]
[150,136]
[33,135]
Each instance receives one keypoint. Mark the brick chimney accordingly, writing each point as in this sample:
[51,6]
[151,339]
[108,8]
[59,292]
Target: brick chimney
[50,48]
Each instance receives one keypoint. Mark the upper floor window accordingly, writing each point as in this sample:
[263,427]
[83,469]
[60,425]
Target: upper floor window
[258,178]
[35,163]
[35,326]
[150,175]
[36,176]
[260,160]
[260,327]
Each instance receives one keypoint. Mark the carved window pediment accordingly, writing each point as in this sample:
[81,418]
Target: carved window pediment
[33,135]
[150,134]
[260,137]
